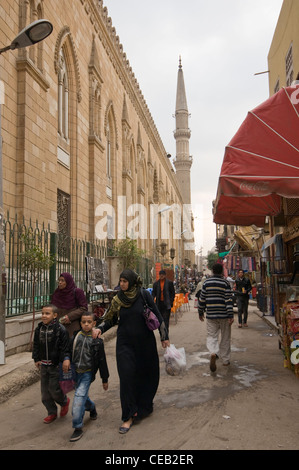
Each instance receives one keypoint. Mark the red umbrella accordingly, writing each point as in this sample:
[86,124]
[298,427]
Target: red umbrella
[261,162]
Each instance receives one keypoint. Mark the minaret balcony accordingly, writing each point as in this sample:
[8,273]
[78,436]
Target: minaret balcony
[186,133]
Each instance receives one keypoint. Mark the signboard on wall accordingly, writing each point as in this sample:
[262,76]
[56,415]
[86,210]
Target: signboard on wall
[97,274]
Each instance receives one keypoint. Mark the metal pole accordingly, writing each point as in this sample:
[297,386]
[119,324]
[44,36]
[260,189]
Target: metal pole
[53,268]
[2,260]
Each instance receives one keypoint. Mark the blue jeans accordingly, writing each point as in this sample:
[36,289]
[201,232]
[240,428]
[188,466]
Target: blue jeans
[81,402]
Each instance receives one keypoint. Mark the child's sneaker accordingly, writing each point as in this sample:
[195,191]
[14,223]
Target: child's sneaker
[77,434]
[50,418]
[93,414]
[64,409]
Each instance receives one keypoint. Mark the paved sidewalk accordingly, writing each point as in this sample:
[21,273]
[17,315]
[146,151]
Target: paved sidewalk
[269,319]
[18,372]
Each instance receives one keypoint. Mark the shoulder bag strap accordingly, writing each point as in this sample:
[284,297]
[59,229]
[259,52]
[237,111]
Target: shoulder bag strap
[143,297]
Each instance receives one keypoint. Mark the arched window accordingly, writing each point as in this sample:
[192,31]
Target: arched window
[110,139]
[108,151]
[63,101]
[35,51]
[68,94]
[97,113]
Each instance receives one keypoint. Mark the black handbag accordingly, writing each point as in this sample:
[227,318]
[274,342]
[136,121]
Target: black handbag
[151,320]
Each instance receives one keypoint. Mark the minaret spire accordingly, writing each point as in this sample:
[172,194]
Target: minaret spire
[182,135]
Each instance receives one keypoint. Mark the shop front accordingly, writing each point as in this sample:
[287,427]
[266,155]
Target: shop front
[260,171]
[288,297]
[243,254]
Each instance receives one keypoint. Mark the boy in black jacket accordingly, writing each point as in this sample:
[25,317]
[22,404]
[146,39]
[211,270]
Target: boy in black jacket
[51,346]
[88,356]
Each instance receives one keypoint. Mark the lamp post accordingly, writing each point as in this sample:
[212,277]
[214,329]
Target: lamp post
[179,254]
[163,250]
[155,215]
[31,34]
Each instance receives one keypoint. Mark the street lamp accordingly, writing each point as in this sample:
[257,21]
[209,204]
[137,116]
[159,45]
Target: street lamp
[179,245]
[162,249]
[179,253]
[31,34]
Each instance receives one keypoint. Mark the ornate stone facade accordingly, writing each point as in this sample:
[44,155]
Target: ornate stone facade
[75,122]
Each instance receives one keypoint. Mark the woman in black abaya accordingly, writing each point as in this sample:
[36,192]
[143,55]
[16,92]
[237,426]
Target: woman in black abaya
[136,349]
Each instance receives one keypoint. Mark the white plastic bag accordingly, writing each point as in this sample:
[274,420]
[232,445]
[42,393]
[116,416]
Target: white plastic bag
[195,302]
[175,360]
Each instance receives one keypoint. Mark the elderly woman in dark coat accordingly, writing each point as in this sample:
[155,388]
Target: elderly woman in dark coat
[70,301]
[136,349]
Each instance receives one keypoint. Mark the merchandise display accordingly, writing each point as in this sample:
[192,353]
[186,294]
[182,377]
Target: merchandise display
[289,315]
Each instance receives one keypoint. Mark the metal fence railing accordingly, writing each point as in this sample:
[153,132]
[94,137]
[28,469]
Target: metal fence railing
[143,268]
[70,256]
[18,283]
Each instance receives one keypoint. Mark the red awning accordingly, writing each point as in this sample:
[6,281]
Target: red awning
[261,162]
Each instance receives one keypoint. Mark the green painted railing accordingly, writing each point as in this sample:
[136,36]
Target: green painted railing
[70,256]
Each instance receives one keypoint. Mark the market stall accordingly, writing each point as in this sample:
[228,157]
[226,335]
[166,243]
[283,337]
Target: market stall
[289,333]
[260,163]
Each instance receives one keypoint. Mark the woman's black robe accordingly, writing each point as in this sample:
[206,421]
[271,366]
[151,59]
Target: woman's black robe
[137,358]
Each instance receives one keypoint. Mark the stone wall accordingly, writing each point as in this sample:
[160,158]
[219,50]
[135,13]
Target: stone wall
[106,107]
[18,331]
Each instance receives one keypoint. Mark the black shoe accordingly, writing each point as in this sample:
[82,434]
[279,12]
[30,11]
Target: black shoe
[123,430]
[93,414]
[77,434]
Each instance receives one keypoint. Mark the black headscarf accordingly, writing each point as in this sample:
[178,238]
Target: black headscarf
[128,297]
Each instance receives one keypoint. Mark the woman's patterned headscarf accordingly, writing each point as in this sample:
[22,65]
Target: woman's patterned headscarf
[128,297]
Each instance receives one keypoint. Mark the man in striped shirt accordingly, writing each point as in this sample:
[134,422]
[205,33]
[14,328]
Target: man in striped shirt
[216,301]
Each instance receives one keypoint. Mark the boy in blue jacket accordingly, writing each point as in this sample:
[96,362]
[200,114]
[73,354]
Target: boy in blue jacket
[88,356]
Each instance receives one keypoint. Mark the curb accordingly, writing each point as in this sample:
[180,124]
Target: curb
[269,319]
[17,379]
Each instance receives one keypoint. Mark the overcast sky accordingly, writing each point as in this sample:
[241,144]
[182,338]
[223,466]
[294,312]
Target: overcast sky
[222,44]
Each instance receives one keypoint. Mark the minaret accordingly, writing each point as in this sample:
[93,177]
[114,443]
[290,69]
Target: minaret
[182,135]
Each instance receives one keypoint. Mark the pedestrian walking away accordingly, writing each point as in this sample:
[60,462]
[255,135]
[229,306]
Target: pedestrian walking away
[136,349]
[70,302]
[164,294]
[50,347]
[88,356]
[243,287]
[216,301]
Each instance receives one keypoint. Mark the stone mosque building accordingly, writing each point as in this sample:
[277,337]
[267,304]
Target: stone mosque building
[78,136]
